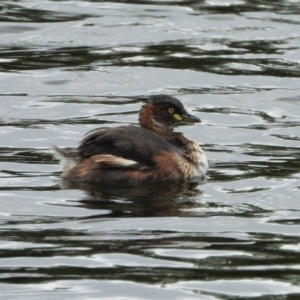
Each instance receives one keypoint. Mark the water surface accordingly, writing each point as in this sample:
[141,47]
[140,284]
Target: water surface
[67,67]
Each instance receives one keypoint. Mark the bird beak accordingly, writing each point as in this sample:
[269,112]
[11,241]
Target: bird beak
[190,118]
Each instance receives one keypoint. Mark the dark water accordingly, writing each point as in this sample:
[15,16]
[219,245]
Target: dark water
[67,67]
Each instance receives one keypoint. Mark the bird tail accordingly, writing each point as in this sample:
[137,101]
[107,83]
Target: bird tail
[67,160]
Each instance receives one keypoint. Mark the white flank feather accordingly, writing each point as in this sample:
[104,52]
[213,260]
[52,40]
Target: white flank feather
[114,160]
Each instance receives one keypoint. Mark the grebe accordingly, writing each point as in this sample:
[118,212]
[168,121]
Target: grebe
[149,153]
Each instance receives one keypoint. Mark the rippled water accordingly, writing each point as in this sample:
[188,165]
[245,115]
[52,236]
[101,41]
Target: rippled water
[67,67]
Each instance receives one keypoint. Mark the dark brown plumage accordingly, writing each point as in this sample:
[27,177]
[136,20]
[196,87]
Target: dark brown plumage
[152,152]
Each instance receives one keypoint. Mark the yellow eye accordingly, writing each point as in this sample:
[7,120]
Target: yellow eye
[171,110]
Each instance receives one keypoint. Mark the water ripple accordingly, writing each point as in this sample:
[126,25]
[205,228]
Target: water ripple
[68,67]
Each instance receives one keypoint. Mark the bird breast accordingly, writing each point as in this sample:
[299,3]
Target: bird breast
[199,159]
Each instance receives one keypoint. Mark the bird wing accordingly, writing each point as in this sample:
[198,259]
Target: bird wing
[125,146]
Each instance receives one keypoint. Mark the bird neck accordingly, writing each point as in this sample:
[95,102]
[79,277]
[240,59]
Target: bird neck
[147,121]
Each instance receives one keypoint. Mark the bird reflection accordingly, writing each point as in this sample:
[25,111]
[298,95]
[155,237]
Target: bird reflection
[143,200]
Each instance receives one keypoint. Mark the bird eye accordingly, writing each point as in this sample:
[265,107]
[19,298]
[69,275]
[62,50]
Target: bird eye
[171,110]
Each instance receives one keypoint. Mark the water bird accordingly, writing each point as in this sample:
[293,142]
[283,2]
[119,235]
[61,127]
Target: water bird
[152,152]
